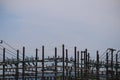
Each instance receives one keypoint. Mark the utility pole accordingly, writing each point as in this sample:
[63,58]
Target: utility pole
[97,66]
[36,71]
[3,63]
[42,62]
[23,64]
[63,62]
[55,63]
[75,52]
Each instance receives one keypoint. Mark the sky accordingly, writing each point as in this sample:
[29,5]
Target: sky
[92,24]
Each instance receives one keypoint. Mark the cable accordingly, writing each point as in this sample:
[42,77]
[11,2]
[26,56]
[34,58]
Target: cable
[118,52]
[10,52]
[103,56]
[9,46]
[8,49]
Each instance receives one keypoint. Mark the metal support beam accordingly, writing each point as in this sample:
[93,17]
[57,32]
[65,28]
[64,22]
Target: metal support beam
[42,62]
[3,63]
[81,65]
[63,74]
[116,68]
[67,64]
[36,71]
[106,66]
[85,64]
[112,74]
[23,64]
[78,63]
[97,65]
[75,52]
[55,63]
[17,68]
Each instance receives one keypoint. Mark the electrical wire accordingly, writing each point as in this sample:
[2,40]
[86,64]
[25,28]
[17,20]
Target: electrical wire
[10,46]
[9,52]
[118,52]
[103,56]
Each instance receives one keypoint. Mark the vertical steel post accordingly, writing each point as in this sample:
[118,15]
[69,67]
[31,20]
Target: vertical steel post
[23,65]
[3,63]
[85,64]
[81,65]
[42,62]
[78,63]
[112,64]
[67,64]
[75,52]
[55,63]
[97,66]
[63,61]
[116,68]
[106,66]
[88,62]
[17,63]
[36,71]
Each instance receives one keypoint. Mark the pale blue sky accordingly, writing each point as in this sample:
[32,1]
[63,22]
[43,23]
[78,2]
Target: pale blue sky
[92,24]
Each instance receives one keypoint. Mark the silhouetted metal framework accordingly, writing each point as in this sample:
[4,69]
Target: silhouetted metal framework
[78,67]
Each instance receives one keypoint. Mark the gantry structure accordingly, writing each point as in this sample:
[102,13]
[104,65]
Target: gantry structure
[16,65]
